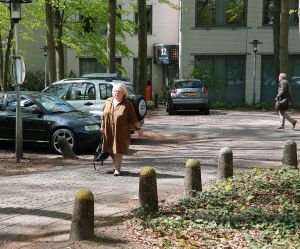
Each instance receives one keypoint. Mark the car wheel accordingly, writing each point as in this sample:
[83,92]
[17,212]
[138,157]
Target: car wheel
[206,111]
[140,106]
[68,135]
[171,108]
[167,106]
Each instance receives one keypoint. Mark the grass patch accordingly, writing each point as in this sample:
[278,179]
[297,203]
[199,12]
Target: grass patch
[260,209]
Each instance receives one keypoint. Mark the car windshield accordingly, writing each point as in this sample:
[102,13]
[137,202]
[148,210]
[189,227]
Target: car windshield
[59,90]
[53,104]
[187,84]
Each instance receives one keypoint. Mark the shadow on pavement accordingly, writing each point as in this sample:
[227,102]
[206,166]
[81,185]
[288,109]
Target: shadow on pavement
[158,175]
[37,212]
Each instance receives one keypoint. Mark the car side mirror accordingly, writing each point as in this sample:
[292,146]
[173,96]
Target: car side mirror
[28,103]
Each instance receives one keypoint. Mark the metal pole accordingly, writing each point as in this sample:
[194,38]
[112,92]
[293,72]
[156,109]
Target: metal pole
[45,56]
[254,77]
[19,129]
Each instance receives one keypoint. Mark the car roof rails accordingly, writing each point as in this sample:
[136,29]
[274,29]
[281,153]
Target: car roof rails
[104,76]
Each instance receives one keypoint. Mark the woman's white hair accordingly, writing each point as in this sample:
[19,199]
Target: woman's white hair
[283,75]
[122,87]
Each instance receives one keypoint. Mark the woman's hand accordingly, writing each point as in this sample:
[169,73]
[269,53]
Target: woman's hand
[140,132]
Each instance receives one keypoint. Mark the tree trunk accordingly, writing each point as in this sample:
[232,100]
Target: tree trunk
[111,36]
[284,37]
[7,56]
[276,40]
[299,16]
[1,64]
[142,47]
[50,41]
[59,48]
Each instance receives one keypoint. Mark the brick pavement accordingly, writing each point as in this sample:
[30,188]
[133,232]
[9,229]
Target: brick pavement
[33,202]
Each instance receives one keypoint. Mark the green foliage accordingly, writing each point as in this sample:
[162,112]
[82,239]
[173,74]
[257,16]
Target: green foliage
[94,42]
[71,74]
[162,95]
[259,209]
[35,81]
[150,105]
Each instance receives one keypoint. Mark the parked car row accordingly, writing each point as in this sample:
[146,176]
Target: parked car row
[70,108]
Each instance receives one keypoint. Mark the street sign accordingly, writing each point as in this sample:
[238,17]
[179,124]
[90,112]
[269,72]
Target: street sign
[19,69]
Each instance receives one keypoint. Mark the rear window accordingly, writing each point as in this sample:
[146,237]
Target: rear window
[59,90]
[188,84]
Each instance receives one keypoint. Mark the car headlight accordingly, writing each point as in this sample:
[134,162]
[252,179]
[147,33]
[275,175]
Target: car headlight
[92,128]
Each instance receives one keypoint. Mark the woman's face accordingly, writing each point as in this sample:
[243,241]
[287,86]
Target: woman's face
[118,94]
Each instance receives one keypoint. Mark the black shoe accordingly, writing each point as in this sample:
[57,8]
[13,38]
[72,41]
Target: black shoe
[280,127]
[294,124]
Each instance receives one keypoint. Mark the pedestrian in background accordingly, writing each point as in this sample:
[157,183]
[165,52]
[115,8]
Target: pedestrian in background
[117,121]
[283,99]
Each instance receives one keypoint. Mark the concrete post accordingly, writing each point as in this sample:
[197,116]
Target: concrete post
[192,179]
[66,149]
[148,190]
[82,227]
[290,154]
[225,166]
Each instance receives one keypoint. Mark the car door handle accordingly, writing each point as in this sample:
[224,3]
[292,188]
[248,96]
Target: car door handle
[88,103]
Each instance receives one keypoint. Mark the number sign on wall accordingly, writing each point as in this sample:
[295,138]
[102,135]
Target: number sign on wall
[165,54]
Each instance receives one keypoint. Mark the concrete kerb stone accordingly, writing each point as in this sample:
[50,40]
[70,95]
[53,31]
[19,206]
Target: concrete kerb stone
[192,179]
[290,154]
[225,164]
[82,227]
[148,196]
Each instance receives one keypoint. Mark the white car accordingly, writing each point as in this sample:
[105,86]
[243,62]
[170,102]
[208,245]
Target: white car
[89,92]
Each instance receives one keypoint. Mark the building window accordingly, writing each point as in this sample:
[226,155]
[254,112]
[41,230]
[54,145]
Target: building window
[91,65]
[135,70]
[268,12]
[221,13]
[149,19]
[224,76]
[268,78]
[234,72]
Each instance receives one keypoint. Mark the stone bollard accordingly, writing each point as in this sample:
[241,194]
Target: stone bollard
[225,166]
[66,149]
[82,227]
[192,179]
[148,190]
[290,154]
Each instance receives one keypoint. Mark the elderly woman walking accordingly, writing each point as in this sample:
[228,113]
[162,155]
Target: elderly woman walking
[284,95]
[117,121]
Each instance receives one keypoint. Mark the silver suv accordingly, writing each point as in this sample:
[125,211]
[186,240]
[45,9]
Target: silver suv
[89,92]
[187,94]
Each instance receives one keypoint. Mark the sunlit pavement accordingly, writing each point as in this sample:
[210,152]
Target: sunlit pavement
[42,203]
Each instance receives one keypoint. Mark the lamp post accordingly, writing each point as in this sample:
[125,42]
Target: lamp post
[254,43]
[45,49]
[15,15]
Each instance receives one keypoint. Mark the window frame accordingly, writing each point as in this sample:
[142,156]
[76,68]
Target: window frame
[149,19]
[221,15]
[292,19]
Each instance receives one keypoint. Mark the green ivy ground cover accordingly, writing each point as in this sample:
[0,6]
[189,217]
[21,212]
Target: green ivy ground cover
[260,209]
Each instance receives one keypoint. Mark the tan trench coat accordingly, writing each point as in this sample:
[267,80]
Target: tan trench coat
[117,126]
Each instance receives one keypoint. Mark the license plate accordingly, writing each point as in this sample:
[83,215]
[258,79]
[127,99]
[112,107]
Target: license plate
[189,94]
